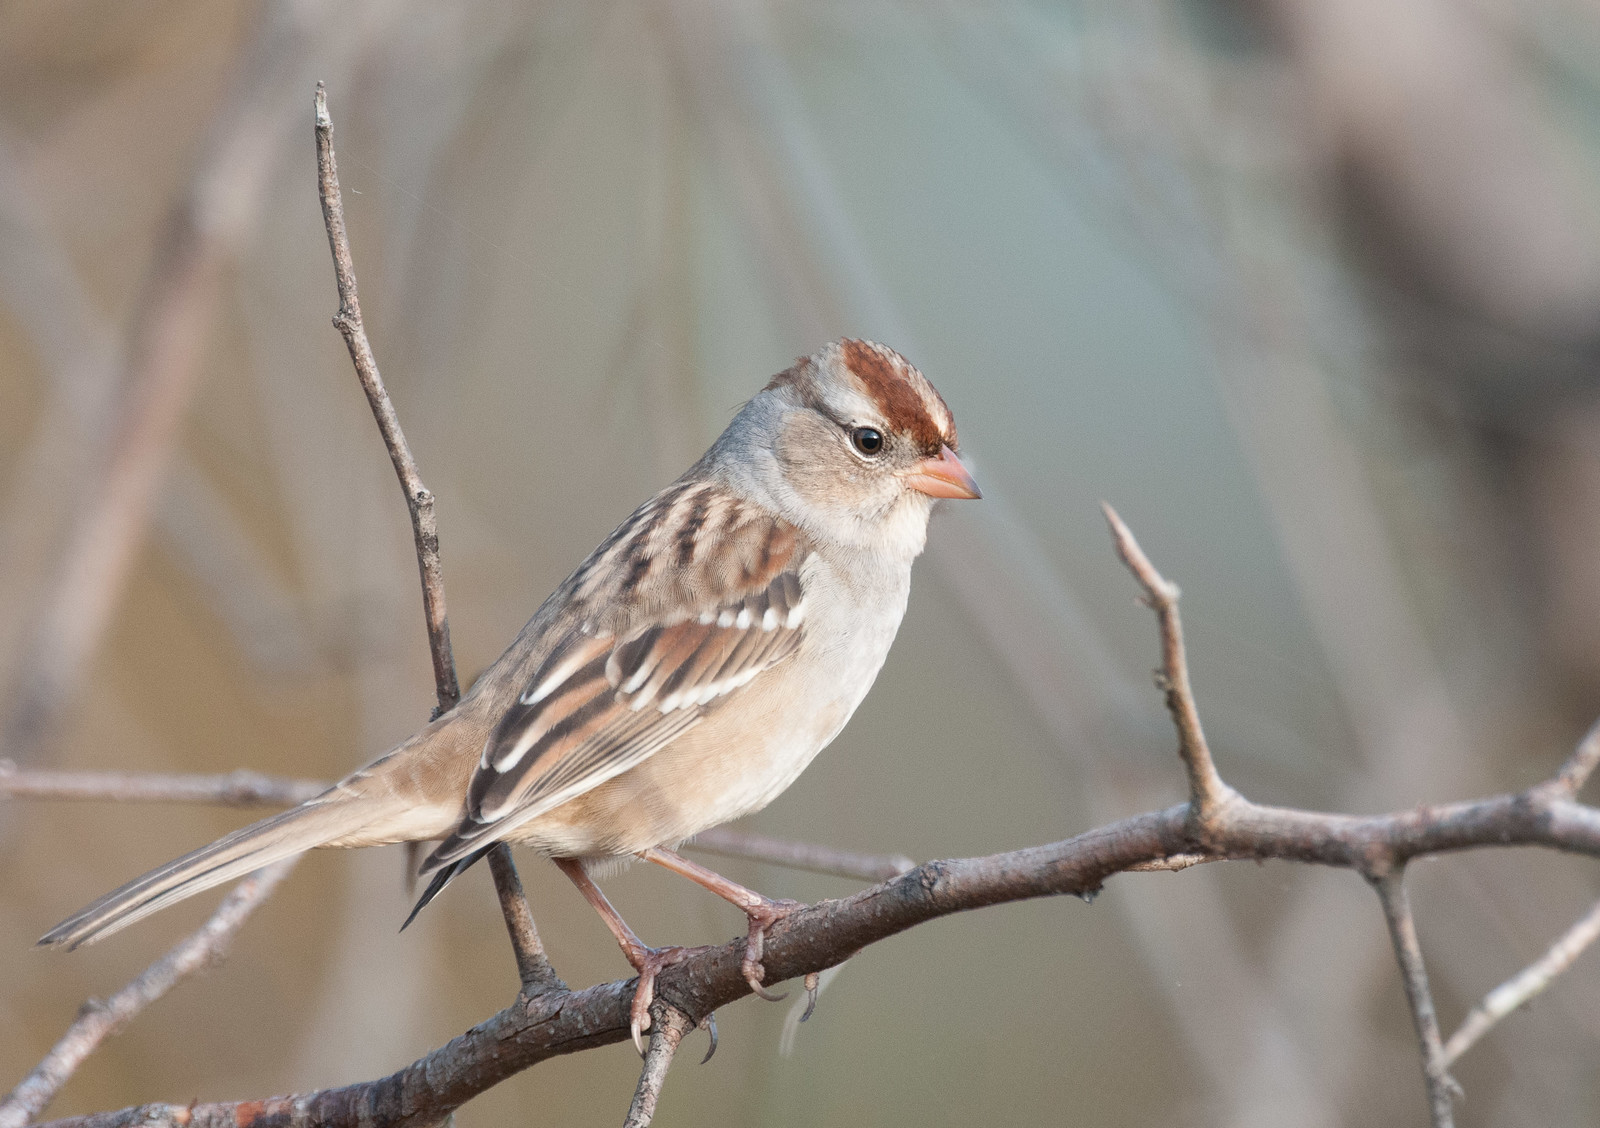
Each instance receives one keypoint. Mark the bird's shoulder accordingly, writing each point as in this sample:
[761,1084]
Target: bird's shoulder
[695,548]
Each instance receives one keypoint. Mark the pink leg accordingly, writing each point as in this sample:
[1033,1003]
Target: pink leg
[762,912]
[647,961]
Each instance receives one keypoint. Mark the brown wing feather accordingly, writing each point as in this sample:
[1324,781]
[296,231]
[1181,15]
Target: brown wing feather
[614,692]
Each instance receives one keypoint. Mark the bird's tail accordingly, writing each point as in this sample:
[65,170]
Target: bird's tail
[321,821]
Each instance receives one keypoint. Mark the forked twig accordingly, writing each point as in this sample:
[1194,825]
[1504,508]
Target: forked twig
[1216,823]
[822,935]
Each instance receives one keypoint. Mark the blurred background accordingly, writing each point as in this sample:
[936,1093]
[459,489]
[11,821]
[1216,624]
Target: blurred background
[1309,290]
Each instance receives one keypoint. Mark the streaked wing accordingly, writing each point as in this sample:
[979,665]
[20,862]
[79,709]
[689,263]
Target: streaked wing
[601,703]
[626,702]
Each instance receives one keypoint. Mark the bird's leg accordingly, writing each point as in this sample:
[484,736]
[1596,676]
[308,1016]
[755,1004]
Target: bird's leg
[762,912]
[648,962]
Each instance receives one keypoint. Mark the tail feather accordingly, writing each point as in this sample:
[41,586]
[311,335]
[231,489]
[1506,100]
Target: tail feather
[443,876]
[310,825]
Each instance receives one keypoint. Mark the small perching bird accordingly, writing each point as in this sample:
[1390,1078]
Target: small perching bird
[682,677]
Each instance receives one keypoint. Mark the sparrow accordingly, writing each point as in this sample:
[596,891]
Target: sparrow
[683,676]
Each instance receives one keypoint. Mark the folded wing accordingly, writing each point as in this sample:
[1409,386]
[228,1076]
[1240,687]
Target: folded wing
[601,702]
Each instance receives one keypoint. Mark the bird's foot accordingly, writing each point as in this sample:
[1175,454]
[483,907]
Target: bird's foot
[762,917]
[650,962]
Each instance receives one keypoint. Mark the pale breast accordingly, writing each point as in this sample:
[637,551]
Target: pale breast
[747,752]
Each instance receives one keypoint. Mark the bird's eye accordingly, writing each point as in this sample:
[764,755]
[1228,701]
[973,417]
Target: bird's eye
[867,440]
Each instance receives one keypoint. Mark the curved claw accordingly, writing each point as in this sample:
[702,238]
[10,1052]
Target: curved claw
[813,988]
[709,1022]
[753,975]
[640,1014]
[649,962]
[761,918]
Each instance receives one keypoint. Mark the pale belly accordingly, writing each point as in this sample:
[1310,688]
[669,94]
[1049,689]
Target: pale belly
[736,760]
[707,777]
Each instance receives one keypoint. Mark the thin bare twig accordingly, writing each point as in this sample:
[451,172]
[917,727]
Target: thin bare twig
[667,1029]
[99,1020]
[801,855]
[1207,791]
[1029,615]
[154,381]
[419,499]
[1408,953]
[424,524]
[1581,764]
[1523,986]
[533,965]
[235,789]
[1217,822]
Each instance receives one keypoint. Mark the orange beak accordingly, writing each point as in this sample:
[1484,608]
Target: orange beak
[944,476]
